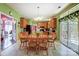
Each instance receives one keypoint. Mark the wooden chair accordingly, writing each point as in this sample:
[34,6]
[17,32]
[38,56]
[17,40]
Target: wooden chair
[45,33]
[43,43]
[52,38]
[23,36]
[32,43]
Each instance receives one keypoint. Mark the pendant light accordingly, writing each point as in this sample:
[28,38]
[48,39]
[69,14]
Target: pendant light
[37,16]
[38,11]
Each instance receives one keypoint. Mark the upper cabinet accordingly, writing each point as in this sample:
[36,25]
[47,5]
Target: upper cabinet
[23,22]
[43,24]
[52,23]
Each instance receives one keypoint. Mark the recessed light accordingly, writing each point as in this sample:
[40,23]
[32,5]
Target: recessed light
[59,6]
[38,7]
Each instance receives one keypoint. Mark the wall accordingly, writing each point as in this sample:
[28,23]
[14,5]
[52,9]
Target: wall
[73,9]
[5,9]
[32,22]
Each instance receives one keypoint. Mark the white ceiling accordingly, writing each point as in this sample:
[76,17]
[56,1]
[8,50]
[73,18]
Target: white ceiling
[30,10]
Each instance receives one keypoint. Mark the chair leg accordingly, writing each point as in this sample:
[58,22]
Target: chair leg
[47,52]
[51,44]
[54,45]
[27,51]
[36,51]
[23,44]
[20,45]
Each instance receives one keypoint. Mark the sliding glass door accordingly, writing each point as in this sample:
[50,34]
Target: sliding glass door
[69,33]
[8,35]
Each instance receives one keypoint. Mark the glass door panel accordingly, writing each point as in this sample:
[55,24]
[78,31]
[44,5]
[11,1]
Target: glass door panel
[63,32]
[14,31]
[7,33]
[0,32]
[73,34]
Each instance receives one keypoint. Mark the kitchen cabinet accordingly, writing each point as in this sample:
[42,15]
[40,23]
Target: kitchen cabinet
[43,24]
[52,23]
[23,22]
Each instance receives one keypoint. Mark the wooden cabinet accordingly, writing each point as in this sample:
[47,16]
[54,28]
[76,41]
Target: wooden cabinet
[23,22]
[52,23]
[43,24]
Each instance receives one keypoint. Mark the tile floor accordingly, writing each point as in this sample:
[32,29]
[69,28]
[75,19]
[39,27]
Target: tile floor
[60,50]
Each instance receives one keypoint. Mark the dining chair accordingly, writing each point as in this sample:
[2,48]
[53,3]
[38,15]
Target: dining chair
[52,38]
[43,43]
[32,43]
[23,36]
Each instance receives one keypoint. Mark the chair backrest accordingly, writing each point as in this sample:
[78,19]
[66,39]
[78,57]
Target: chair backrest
[43,38]
[32,38]
[23,35]
[53,34]
[52,37]
[45,33]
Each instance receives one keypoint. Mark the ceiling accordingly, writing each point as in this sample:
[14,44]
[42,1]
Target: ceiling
[32,10]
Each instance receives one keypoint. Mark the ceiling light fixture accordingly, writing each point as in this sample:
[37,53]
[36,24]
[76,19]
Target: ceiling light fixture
[37,17]
[38,11]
